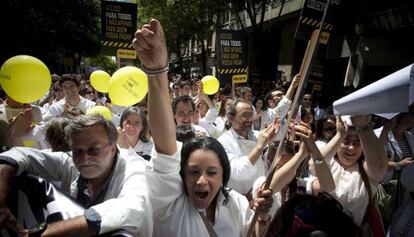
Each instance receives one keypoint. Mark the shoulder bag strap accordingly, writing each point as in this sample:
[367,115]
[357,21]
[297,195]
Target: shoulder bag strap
[210,229]
[365,179]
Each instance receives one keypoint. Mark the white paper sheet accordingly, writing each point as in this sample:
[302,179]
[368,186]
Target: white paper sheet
[392,94]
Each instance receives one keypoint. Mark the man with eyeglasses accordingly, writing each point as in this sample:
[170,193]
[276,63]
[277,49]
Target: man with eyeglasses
[280,108]
[111,188]
[244,147]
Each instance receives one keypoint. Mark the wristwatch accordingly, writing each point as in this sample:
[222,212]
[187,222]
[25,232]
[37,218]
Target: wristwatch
[397,166]
[37,230]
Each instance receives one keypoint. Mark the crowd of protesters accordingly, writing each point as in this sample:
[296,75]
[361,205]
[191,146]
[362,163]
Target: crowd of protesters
[182,163]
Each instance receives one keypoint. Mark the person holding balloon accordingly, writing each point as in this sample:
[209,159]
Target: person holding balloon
[206,113]
[72,100]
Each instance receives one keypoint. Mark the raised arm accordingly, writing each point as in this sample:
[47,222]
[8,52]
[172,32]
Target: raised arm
[388,126]
[329,150]
[374,152]
[324,181]
[21,125]
[292,87]
[150,45]
[287,172]
[202,96]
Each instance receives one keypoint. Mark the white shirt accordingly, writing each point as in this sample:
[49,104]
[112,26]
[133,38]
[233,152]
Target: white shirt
[126,204]
[141,148]
[243,172]
[350,190]
[208,122]
[319,113]
[59,107]
[175,215]
[270,114]
[277,196]
[220,123]
[36,137]
[198,128]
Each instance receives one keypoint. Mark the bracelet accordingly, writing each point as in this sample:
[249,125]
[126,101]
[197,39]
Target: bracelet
[153,72]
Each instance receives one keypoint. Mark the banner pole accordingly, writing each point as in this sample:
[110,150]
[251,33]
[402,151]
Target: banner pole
[304,71]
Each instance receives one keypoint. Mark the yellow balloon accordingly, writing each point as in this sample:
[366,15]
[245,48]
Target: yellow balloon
[210,85]
[25,79]
[100,110]
[128,86]
[100,80]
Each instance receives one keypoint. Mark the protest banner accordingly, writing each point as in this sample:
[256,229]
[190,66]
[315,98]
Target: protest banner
[231,54]
[119,23]
[390,95]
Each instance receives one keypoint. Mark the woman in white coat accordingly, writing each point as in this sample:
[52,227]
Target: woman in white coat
[187,190]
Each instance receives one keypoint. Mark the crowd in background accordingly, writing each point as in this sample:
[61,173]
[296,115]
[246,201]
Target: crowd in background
[330,173]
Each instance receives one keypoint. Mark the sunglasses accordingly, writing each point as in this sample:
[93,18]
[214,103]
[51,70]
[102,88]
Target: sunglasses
[91,151]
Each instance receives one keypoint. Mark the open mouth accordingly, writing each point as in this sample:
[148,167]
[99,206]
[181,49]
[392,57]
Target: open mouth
[201,195]
[350,154]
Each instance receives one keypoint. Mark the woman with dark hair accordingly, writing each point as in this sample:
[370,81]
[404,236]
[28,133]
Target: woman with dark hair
[192,192]
[88,92]
[325,130]
[187,189]
[221,119]
[133,133]
[260,106]
[312,216]
[353,154]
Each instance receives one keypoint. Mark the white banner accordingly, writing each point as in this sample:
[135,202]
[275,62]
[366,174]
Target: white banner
[391,95]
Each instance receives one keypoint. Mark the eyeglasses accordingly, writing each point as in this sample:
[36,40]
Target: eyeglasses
[91,151]
[346,143]
[133,123]
[329,129]
[247,116]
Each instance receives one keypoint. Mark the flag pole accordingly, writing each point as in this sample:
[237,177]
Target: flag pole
[308,58]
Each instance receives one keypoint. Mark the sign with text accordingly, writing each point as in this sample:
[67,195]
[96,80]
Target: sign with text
[231,53]
[240,78]
[311,19]
[119,23]
[126,53]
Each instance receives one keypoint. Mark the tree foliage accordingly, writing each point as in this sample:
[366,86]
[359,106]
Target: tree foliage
[102,62]
[185,20]
[49,29]
[255,11]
